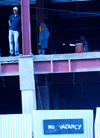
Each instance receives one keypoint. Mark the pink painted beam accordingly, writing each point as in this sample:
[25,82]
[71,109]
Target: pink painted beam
[42,67]
[60,66]
[26,29]
[85,65]
[9,69]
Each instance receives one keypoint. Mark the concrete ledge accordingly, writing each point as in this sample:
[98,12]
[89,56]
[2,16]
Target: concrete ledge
[72,56]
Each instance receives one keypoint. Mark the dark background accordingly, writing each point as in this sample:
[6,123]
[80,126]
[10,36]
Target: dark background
[71,20]
[84,92]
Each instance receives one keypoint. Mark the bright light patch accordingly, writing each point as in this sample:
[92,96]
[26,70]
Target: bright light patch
[63,44]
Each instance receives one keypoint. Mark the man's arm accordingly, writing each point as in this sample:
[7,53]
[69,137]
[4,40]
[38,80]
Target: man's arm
[21,27]
[9,22]
[10,19]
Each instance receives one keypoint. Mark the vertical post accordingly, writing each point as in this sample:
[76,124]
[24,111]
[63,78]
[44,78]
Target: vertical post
[27,84]
[51,26]
[26,30]
[39,17]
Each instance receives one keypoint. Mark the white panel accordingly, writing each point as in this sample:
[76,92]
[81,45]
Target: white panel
[26,72]
[28,101]
[40,115]
[15,126]
[97,123]
[57,1]
[27,83]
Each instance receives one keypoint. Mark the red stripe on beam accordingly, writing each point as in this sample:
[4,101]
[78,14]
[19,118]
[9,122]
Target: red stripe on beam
[60,66]
[85,65]
[44,66]
[9,68]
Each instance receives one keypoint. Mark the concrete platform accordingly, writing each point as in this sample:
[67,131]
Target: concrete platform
[55,63]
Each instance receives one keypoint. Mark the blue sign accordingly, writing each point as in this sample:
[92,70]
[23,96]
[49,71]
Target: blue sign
[63,126]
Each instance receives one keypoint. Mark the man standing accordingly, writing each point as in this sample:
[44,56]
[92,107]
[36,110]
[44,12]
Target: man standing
[14,31]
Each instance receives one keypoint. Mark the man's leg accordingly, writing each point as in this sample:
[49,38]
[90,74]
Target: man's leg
[43,51]
[44,46]
[16,35]
[39,51]
[11,36]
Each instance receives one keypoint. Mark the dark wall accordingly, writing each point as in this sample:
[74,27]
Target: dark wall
[65,27]
[73,90]
[10,96]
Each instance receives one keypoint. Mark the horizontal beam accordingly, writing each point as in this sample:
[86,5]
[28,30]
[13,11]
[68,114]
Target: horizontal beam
[72,56]
[9,69]
[66,66]
[59,63]
[53,57]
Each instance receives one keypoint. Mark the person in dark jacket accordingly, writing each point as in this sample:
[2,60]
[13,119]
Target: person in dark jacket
[84,42]
[14,31]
